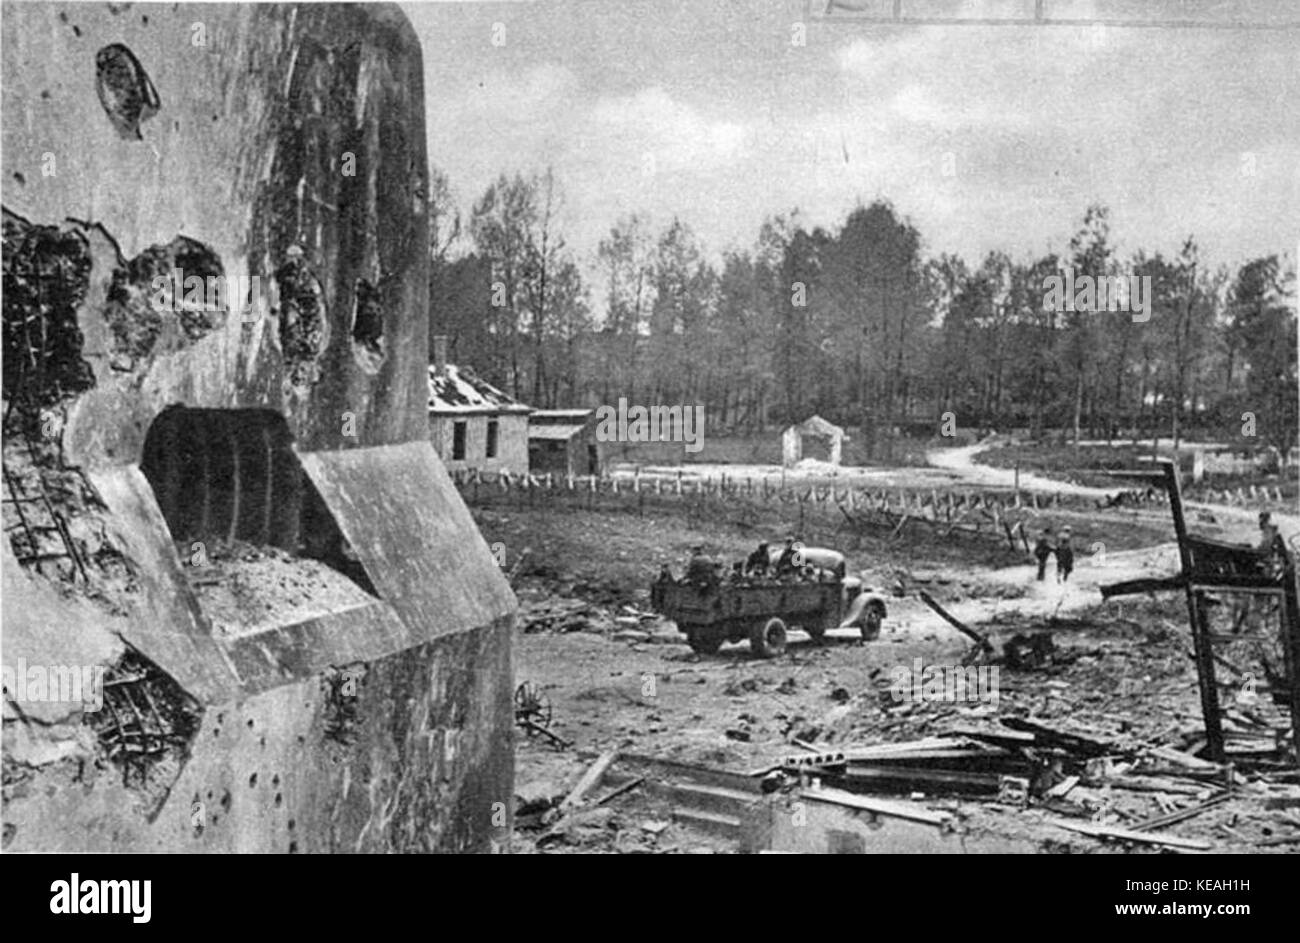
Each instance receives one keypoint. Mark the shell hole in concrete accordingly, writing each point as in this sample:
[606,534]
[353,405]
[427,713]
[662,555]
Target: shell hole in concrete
[125,90]
[46,277]
[259,544]
[340,695]
[303,326]
[145,728]
[182,281]
[368,325]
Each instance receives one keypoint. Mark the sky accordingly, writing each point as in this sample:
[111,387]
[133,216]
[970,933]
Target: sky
[985,137]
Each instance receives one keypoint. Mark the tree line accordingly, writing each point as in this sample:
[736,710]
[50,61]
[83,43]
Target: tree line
[857,324]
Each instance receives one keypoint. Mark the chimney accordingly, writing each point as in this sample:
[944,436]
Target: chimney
[440,355]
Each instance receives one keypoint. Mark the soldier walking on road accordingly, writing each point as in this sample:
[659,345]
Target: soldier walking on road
[1064,556]
[1042,550]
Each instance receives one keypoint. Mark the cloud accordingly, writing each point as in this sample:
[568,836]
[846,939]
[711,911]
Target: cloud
[663,133]
[987,137]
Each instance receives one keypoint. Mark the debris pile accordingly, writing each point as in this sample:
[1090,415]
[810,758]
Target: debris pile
[245,588]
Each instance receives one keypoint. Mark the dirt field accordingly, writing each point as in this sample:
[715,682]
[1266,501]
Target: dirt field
[620,678]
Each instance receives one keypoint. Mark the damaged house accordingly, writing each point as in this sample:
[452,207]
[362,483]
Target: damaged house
[563,442]
[228,518]
[474,425]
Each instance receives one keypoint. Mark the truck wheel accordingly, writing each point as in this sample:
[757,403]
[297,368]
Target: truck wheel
[767,639]
[703,644]
[872,617]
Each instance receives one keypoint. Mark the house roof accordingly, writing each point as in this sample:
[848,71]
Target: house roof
[460,390]
[560,416]
[555,432]
[816,425]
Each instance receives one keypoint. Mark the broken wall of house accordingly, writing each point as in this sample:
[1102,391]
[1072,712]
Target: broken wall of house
[162,451]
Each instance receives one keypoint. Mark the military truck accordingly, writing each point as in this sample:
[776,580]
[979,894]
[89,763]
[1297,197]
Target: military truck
[763,610]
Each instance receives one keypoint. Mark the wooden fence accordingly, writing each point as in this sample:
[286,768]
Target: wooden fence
[982,514]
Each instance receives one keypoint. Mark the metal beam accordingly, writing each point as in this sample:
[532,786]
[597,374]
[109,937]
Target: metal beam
[861,11]
[1196,612]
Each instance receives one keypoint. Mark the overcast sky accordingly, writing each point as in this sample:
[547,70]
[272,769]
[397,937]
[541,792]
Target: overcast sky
[707,111]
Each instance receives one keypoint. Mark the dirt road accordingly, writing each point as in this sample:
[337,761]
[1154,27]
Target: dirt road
[1234,524]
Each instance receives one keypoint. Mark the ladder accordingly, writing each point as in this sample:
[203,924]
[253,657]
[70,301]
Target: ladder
[46,520]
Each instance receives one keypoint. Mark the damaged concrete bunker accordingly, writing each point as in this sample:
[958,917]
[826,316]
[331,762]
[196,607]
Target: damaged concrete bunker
[305,642]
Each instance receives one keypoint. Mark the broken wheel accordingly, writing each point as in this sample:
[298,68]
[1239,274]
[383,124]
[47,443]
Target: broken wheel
[532,707]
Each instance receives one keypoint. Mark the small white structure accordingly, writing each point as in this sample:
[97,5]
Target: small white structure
[472,423]
[827,441]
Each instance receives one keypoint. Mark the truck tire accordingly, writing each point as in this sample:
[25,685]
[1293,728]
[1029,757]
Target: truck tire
[704,643]
[767,639]
[872,617]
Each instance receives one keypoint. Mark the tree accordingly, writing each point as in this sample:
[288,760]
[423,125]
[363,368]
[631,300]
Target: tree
[1262,328]
[626,257]
[514,226]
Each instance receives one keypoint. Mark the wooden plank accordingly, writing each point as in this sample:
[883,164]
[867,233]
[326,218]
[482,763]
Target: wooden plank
[877,806]
[1006,737]
[590,779]
[954,622]
[1182,814]
[879,750]
[1285,840]
[1062,789]
[1048,736]
[1143,585]
[1124,834]
[619,790]
[1185,760]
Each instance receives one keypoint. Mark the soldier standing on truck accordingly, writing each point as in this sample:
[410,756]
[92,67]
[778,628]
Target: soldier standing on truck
[785,563]
[756,562]
[699,570]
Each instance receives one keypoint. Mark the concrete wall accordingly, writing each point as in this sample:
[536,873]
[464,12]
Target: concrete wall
[512,442]
[248,156]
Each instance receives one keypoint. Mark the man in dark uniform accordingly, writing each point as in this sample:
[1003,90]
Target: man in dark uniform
[1064,556]
[1042,550]
[700,569]
[657,587]
[785,564]
[756,562]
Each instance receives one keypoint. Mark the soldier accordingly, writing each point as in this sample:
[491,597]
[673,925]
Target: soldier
[699,569]
[1042,550]
[657,588]
[1270,564]
[785,563]
[1267,531]
[756,562]
[1064,556]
